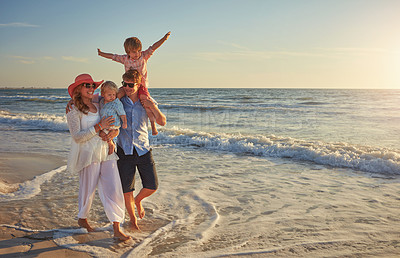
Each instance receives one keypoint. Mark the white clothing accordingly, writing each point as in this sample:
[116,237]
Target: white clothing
[104,175]
[89,156]
[87,147]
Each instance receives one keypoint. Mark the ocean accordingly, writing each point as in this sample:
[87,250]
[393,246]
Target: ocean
[242,172]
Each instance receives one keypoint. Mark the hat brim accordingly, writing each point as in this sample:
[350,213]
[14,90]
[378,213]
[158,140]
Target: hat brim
[72,87]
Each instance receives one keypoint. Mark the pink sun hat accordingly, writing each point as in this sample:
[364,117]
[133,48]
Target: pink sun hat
[82,78]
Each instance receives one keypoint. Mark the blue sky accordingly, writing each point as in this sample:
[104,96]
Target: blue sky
[219,43]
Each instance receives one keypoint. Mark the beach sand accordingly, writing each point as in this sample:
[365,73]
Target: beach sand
[17,243]
[20,167]
[16,168]
[297,212]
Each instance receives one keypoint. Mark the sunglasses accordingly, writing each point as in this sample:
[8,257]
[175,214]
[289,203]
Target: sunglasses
[89,85]
[131,85]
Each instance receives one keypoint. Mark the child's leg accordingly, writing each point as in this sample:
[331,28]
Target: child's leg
[111,147]
[152,118]
[143,93]
[111,143]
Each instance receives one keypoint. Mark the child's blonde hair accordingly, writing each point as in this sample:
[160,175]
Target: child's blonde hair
[109,85]
[131,44]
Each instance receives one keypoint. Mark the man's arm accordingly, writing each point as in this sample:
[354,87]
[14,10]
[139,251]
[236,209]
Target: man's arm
[160,42]
[161,119]
[96,99]
[106,55]
[121,93]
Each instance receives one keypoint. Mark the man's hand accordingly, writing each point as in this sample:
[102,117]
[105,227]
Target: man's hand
[121,92]
[147,102]
[69,106]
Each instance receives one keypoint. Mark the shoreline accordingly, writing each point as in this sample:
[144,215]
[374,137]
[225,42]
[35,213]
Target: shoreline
[17,167]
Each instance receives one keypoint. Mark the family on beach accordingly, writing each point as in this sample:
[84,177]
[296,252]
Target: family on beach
[95,121]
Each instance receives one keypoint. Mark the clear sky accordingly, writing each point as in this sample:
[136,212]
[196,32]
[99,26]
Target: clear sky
[213,43]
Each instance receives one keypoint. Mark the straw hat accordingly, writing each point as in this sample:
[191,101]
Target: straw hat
[82,78]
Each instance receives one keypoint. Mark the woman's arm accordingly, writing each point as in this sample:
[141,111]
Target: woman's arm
[111,135]
[78,134]
[74,125]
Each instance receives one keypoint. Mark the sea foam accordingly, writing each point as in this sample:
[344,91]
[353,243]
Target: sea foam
[339,154]
[336,154]
[29,189]
[38,98]
[38,120]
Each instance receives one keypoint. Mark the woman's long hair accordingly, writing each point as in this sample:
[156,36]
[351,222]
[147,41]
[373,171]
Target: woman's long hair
[78,101]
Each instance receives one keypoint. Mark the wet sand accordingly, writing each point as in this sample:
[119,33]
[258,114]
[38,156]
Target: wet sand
[16,168]
[17,243]
[309,213]
[19,167]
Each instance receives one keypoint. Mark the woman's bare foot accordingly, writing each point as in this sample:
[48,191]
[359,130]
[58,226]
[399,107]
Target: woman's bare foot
[140,209]
[84,224]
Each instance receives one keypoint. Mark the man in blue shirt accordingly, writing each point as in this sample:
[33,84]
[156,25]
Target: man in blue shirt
[133,146]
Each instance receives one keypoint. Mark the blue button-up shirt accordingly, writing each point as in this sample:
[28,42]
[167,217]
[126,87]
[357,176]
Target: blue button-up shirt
[136,134]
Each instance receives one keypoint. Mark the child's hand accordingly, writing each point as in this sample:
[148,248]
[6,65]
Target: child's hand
[121,92]
[167,35]
[124,125]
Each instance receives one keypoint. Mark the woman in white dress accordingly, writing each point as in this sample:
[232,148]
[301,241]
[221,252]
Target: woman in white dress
[89,157]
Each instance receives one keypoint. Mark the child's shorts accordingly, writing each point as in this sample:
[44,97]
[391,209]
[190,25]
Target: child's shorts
[143,90]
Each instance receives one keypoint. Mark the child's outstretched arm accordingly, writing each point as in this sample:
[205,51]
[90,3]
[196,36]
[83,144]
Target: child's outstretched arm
[106,55]
[161,41]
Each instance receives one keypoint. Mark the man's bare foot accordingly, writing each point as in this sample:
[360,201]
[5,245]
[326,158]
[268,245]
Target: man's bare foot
[133,225]
[140,209]
[111,147]
[84,224]
[119,235]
